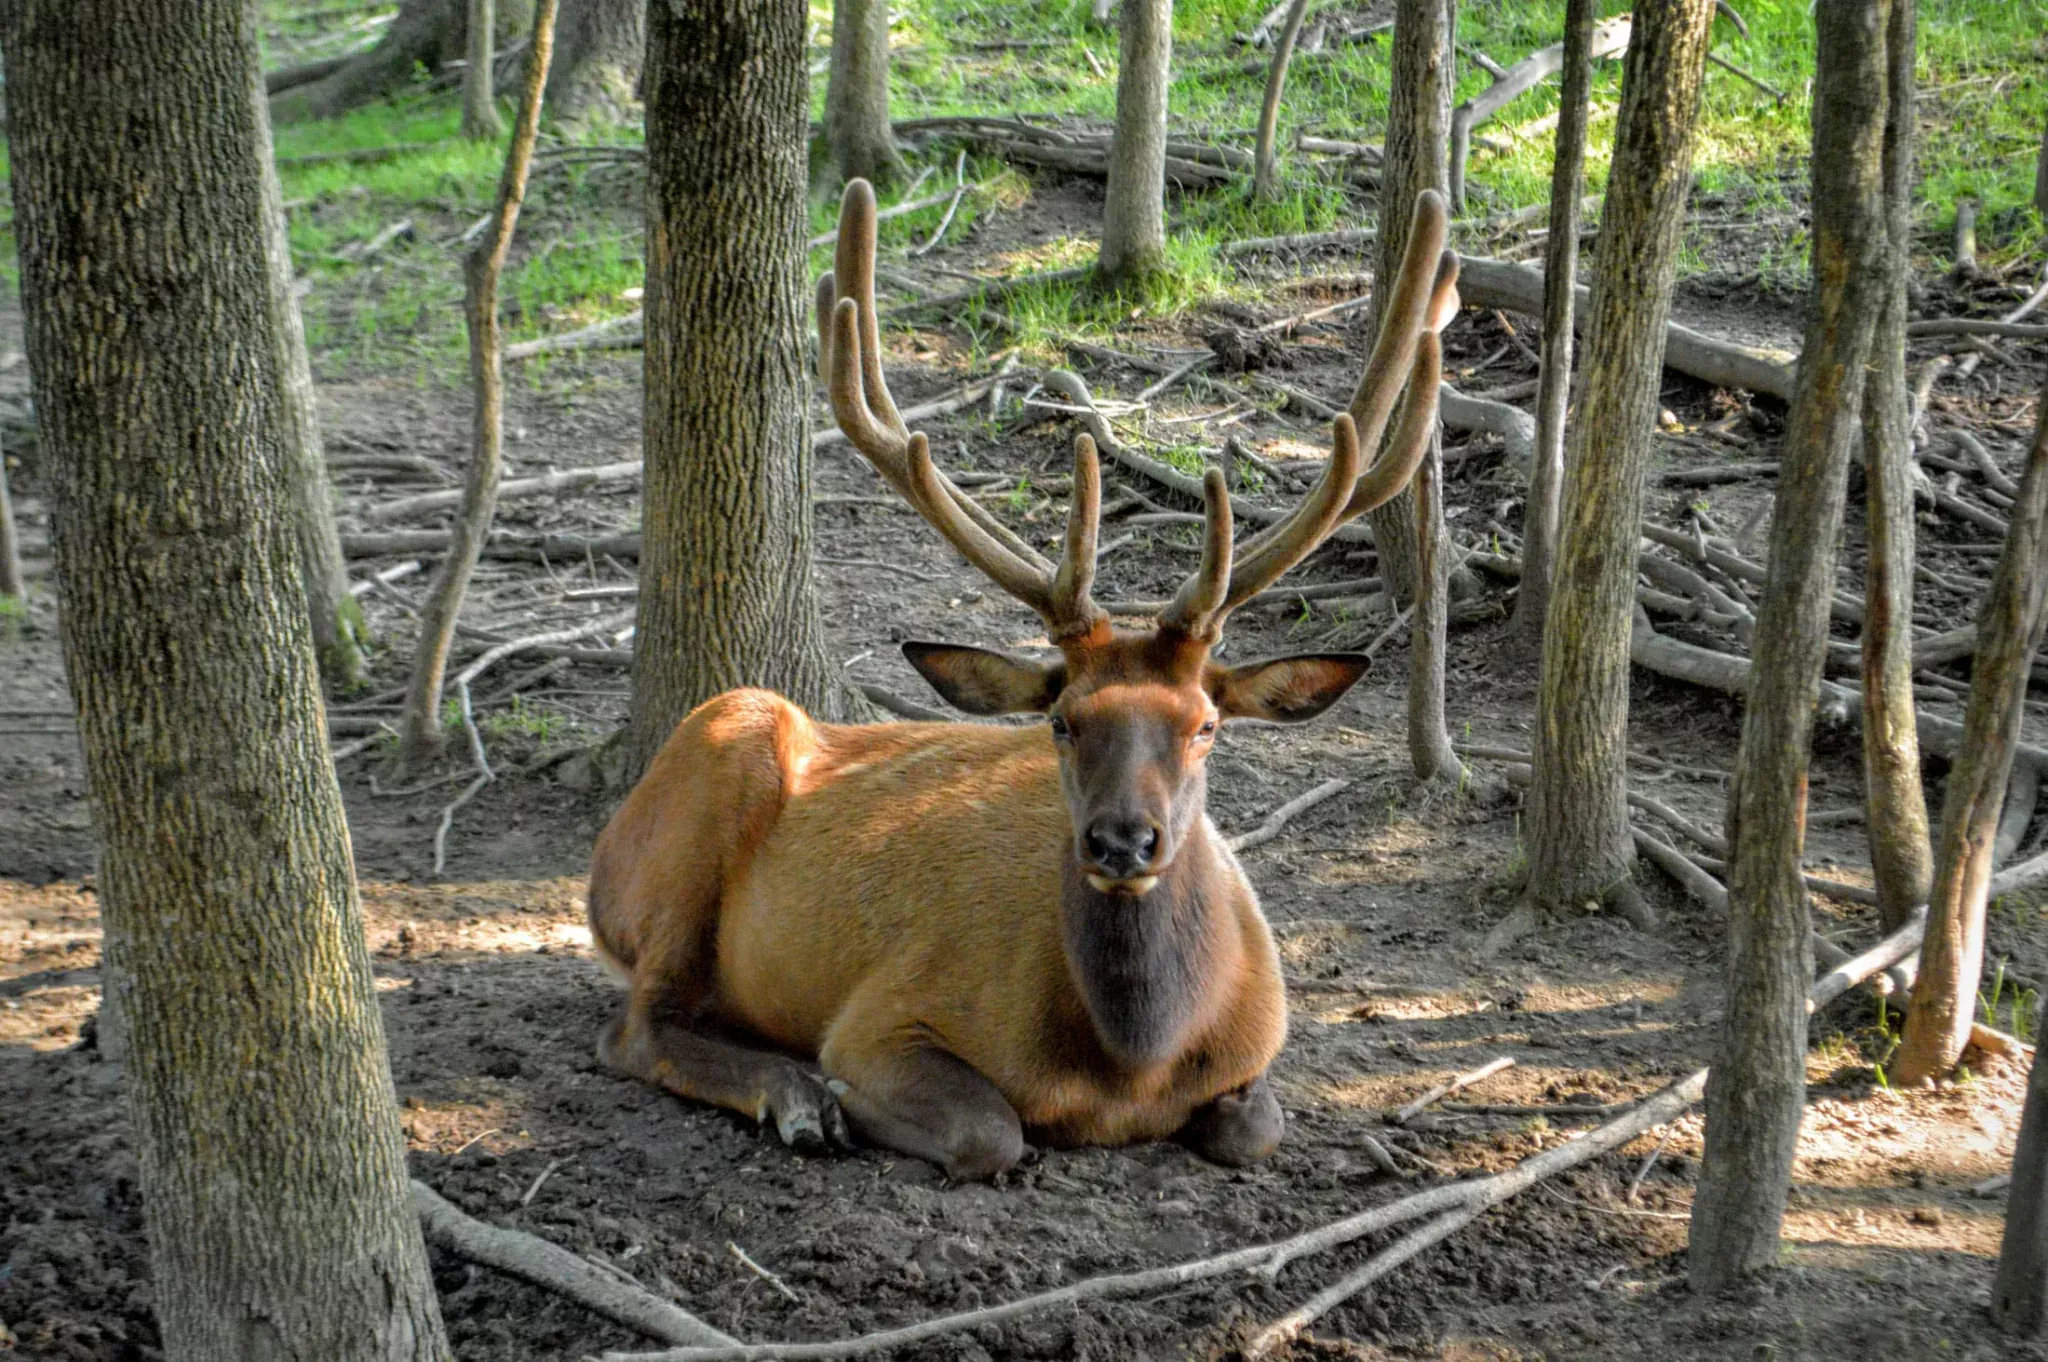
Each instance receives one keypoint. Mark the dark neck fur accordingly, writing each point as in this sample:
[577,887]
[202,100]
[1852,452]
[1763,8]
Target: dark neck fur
[1141,963]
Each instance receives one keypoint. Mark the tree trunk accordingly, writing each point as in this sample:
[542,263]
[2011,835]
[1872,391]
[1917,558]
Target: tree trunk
[725,559]
[2019,1293]
[1134,211]
[340,634]
[12,582]
[1581,849]
[1417,158]
[421,724]
[271,1164]
[2041,177]
[1265,161]
[1901,854]
[857,93]
[426,34]
[599,45]
[2008,633]
[1429,742]
[1554,382]
[480,119]
[1758,1088]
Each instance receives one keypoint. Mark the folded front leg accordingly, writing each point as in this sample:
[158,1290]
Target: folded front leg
[920,1100]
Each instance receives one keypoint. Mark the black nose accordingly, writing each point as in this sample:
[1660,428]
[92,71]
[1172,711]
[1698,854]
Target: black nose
[1122,846]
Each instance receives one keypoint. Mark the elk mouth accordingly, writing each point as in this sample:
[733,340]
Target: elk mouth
[1129,886]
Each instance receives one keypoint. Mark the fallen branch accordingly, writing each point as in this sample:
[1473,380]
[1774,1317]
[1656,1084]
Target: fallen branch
[518,546]
[1609,39]
[1962,326]
[1287,813]
[1445,1089]
[533,1259]
[1285,1328]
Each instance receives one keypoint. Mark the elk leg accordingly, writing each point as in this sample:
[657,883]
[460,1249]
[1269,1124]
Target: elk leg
[664,1051]
[931,1105]
[1238,1128]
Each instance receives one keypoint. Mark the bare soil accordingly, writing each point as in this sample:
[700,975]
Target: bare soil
[1380,898]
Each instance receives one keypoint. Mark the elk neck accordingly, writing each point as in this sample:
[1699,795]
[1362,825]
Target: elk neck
[1144,963]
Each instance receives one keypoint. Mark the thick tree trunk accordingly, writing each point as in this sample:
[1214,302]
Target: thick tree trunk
[426,34]
[1901,853]
[479,93]
[420,726]
[2008,634]
[1265,160]
[340,633]
[857,94]
[1554,383]
[2019,1293]
[599,45]
[725,561]
[1581,850]
[1134,211]
[1758,1088]
[1417,158]
[272,1167]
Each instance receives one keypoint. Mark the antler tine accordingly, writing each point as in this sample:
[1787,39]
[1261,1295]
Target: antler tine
[1403,454]
[843,387]
[1033,586]
[853,273]
[1197,608]
[1074,583]
[1267,558]
[1407,314]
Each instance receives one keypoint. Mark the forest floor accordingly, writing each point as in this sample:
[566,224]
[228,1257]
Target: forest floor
[1380,898]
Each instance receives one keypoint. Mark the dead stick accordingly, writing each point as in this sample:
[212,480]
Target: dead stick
[1442,1090]
[533,1259]
[1379,1265]
[1286,813]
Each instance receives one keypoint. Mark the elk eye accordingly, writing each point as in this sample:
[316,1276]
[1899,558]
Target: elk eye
[1060,731]
[1208,730]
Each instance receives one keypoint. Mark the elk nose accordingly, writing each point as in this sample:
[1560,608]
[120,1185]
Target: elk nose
[1122,846]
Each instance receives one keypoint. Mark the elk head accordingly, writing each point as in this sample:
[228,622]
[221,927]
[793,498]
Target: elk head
[1134,713]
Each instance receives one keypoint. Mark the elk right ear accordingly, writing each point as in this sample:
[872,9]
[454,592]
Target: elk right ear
[981,681]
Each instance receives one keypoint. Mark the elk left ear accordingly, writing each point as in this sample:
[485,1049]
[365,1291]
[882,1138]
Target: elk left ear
[981,681]
[1287,690]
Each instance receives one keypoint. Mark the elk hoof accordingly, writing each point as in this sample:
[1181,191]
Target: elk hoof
[1238,1128]
[805,1111]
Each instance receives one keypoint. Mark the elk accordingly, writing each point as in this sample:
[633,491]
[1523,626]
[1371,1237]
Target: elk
[975,930]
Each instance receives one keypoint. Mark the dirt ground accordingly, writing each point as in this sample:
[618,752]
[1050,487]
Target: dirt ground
[1380,898]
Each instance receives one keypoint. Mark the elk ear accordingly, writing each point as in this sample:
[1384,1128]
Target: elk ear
[1286,690]
[980,681]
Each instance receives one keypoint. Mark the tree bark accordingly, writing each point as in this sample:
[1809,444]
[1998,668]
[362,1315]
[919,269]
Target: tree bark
[1758,1089]
[1134,208]
[1554,382]
[340,634]
[420,726]
[599,45]
[271,1163]
[1265,161]
[725,564]
[12,581]
[1895,801]
[1581,849]
[2008,634]
[857,93]
[1417,158]
[480,119]
[426,33]
[2019,1292]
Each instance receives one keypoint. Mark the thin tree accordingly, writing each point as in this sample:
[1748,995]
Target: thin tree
[1758,1088]
[2008,635]
[13,582]
[1895,801]
[271,1163]
[340,633]
[1417,158]
[480,120]
[1134,209]
[2041,177]
[1265,160]
[1580,847]
[726,593]
[1554,380]
[420,726]
[599,45]
[2019,1291]
[857,93]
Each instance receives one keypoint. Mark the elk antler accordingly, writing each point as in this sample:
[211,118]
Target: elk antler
[850,358]
[1424,297]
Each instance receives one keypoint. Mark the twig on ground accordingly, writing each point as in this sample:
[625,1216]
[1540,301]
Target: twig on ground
[1287,813]
[545,1173]
[763,1273]
[1443,1090]
[1379,1265]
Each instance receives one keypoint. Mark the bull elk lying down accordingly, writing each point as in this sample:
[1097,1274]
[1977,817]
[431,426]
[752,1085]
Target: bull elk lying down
[979,930]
